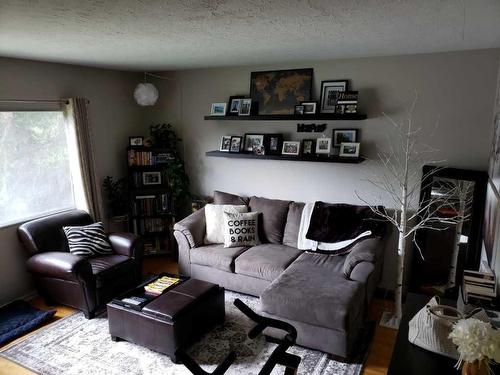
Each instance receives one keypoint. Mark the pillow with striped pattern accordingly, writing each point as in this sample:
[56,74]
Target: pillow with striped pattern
[88,241]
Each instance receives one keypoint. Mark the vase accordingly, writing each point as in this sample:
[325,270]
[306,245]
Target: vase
[475,368]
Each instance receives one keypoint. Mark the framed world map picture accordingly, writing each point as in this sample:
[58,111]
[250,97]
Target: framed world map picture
[277,92]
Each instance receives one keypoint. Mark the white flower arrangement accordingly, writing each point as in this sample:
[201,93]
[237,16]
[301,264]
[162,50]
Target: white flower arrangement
[476,341]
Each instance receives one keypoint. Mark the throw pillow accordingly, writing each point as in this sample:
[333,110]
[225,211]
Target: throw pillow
[215,220]
[87,241]
[240,229]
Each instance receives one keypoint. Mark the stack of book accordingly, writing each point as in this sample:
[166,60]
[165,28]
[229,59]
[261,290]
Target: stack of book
[158,286]
[479,288]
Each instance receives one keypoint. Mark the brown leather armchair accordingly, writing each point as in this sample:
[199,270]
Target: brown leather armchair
[84,283]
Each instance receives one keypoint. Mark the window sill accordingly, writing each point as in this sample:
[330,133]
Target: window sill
[13,223]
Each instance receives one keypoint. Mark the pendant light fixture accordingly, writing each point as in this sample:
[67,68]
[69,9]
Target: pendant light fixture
[146,94]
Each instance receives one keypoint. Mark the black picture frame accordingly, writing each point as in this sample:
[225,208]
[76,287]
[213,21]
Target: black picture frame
[137,140]
[239,140]
[330,83]
[248,136]
[336,142]
[273,143]
[299,110]
[230,111]
[308,147]
[272,106]
[309,103]
[245,111]
[151,178]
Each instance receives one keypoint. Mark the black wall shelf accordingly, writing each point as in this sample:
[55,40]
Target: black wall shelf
[317,159]
[316,117]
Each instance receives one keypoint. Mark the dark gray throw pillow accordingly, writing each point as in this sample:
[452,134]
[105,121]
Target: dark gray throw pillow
[88,241]
[364,251]
[221,197]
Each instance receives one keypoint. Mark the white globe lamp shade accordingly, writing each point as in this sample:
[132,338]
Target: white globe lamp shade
[146,94]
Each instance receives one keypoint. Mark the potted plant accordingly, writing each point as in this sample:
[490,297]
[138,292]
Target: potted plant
[117,198]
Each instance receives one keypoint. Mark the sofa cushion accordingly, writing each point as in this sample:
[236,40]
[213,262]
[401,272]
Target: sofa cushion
[266,261]
[366,250]
[313,290]
[216,256]
[221,197]
[292,225]
[108,268]
[274,213]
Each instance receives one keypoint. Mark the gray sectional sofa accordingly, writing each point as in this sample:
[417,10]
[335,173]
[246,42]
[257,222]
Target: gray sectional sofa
[324,296]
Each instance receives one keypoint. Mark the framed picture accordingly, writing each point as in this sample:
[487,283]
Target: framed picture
[259,150]
[245,107]
[234,105]
[136,141]
[252,141]
[151,178]
[308,147]
[309,107]
[329,94]
[291,148]
[344,136]
[163,158]
[218,109]
[299,109]
[323,145]
[235,144]
[277,92]
[349,149]
[225,143]
[273,143]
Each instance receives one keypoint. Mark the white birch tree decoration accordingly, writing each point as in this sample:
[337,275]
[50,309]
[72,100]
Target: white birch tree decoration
[399,179]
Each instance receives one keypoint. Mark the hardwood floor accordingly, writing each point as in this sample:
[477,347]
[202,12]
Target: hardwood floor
[379,356]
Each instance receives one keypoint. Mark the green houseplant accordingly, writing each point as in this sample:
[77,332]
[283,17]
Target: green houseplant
[116,195]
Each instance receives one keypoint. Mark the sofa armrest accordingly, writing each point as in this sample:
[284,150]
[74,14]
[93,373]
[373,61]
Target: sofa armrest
[60,265]
[362,271]
[127,244]
[365,251]
[193,228]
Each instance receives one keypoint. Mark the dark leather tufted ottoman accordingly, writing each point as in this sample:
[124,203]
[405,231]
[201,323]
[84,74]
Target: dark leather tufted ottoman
[171,321]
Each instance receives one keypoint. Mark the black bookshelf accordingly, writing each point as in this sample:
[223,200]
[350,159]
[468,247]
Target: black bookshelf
[317,159]
[315,117]
[152,210]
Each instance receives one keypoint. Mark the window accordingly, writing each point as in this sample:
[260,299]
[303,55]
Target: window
[35,171]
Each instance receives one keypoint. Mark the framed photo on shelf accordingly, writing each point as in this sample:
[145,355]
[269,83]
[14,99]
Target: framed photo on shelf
[329,94]
[344,136]
[276,92]
[309,107]
[136,141]
[273,143]
[323,145]
[291,148]
[252,141]
[299,110]
[225,143]
[164,203]
[235,144]
[245,107]
[349,149]
[308,147]
[218,109]
[151,178]
[234,105]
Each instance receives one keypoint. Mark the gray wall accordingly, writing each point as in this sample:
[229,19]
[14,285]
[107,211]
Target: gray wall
[455,88]
[113,114]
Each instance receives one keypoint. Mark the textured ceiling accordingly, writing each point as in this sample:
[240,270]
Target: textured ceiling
[158,35]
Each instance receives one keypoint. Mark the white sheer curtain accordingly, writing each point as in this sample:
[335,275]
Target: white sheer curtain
[85,183]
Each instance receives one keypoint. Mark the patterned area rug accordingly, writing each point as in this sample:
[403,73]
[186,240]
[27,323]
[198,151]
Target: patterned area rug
[75,345]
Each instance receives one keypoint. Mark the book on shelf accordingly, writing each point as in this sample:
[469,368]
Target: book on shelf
[148,158]
[148,205]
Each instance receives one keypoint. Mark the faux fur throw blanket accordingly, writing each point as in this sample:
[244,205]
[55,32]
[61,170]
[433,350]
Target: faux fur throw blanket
[334,227]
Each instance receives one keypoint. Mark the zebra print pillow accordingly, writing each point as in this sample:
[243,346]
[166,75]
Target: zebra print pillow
[87,241]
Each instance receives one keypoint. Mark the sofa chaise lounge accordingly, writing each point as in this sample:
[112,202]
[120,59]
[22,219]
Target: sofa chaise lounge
[324,296]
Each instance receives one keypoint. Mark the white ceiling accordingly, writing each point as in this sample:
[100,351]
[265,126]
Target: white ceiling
[179,34]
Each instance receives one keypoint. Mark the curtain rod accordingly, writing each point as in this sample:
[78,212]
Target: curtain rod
[34,101]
